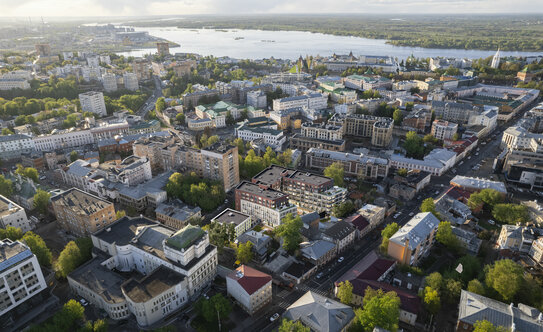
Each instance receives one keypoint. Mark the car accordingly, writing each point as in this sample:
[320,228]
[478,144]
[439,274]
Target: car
[436,193]
[476,153]
[84,302]
[460,164]
[340,259]
[411,214]
[469,157]
[274,317]
[492,222]
[42,177]
[319,275]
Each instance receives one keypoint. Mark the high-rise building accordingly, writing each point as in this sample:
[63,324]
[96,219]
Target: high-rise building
[110,82]
[130,81]
[93,102]
[163,48]
[141,69]
[21,277]
[496,60]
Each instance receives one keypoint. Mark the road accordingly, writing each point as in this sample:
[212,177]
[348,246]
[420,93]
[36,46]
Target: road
[150,103]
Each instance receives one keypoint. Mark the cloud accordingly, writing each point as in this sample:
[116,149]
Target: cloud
[186,7]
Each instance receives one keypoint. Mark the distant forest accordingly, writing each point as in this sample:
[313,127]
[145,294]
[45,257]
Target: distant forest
[483,32]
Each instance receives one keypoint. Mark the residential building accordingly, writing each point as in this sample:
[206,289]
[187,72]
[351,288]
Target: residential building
[364,165]
[312,101]
[318,252]
[310,192]
[298,272]
[414,240]
[474,307]
[472,184]
[176,214]
[13,83]
[93,102]
[12,215]
[270,137]
[130,171]
[251,288]
[20,275]
[130,81]
[81,213]
[379,129]
[367,82]
[63,139]
[191,100]
[360,224]
[141,69]
[455,112]
[437,162]
[241,221]
[257,99]
[320,313]
[13,146]
[142,196]
[109,81]
[517,238]
[322,131]
[469,239]
[263,204]
[536,251]
[374,214]
[182,68]
[261,243]
[342,234]
[163,48]
[304,144]
[443,130]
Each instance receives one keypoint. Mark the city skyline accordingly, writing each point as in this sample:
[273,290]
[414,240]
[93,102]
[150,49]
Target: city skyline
[66,8]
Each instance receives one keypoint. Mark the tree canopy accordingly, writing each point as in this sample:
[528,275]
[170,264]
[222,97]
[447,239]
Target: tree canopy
[446,236]
[28,172]
[6,186]
[244,253]
[193,190]
[386,233]
[73,255]
[343,209]
[41,201]
[510,213]
[505,277]
[379,309]
[345,292]
[290,326]
[336,172]
[413,145]
[289,231]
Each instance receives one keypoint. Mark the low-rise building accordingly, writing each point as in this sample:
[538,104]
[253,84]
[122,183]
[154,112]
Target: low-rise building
[437,162]
[373,214]
[251,288]
[517,238]
[21,277]
[13,146]
[12,215]
[271,137]
[443,130]
[312,101]
[472,184]
[414,240]
[81,213]
[241,221]
[342,234]
[176,214]
[261,242]
[318,252]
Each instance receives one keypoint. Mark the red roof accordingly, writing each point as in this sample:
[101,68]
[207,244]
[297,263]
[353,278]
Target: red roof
[250,279]
[408,302]
[376,270]
[458,193]
[358,221]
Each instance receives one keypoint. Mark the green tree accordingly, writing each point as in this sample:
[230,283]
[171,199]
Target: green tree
[336,172]
[7,131]
[11,233]
[428,205]
[217,305]
[451,290]
[289,231]
[486,326]
[343,209]
[160,104]
[28,172]
[345,292]
[471,266]
[456,137]
[244,252]
[180,118]
[74,156]
[446,236]
[229,118]
[379,310]
[510,213]
[119,214]
[386,233]
[74,254]
[41,201]
[402,172]
[431,300]
[413,145]
[505,277]
[6,186]
[290,326]
[221,234]
[475,286]
[434,281]
[398,117]
[39,248]
[487,198]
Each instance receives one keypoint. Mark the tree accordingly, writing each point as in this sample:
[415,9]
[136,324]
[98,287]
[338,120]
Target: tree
[119,214]
[487,198]
[74,156]
[343,209]
[345,292]
[428,205]
[160,105]
[73,255]
[39,248]
[398,117]
[41,201]
[290,326]
[386,233]
[229,118]
[456,137]
[244,252]
[180,118]
[336,172]
[221,235]
[402,172]
[217,305]
[289,231]
[451,290]
[379,309]
[486,326]
[431,299]
[505,277]
[510,213]
[413,145]
[28,172]
[446,236]
[434,281]
[475,286]
[471,266]
[6,186]
[7,131]
[11,233]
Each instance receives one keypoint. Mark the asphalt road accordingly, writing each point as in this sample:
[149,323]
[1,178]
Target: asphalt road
[150,102]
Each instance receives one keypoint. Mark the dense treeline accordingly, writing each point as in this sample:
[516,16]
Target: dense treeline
[193,190]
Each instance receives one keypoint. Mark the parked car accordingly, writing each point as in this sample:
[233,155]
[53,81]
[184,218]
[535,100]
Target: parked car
[492,222]
[340,259]
[319,275]
[274,317]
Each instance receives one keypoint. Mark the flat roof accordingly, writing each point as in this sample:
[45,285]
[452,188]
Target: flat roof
[80,202]
[124,230]
[151,286]
[230,216]
[255,189]
[100,280]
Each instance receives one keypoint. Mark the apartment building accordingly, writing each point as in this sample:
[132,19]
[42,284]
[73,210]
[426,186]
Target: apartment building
[322,131]
[13,146]
[93,102]
[62,139]
[314,101]
[130,81]
[263,204]
[437,162]
[109,81]
[182,68]
[270,137]
[130,171]
[310,192]
[251,288]
[141,69]
[191,100]
[342,234]
[379,129]
[163,48]
[12,215]
[455,112]
[373,214]
[81,213]
[241,221]
[257,99]
[322,136]
[21,277]
[444,130]
[414,240]
[13,83]
[176,214]
[362,165]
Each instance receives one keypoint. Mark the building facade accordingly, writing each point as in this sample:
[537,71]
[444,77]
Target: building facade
[93,102]
[251,288]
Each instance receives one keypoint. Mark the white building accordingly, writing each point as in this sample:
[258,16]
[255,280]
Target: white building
[496,60]
[105,59]
[109,82]
[251,288]
[130,81]
[443,130]
[13,215]
[321,131]
[93,61]
[93,102]
[315,101]
[241,221]
[436,162]
[12,146]
[20,275]
[257,99]
[272,137]
[60,139]
[14,83]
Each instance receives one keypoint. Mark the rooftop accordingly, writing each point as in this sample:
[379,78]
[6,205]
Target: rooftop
[230,216]
[80,202]
[12,252]
[257,190]
[151,286]
[185,237]
[317,249]
[416,230]
[7,207]
[340,230]
[478,183]
[250,279]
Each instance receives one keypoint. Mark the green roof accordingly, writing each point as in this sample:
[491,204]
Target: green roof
[185,238]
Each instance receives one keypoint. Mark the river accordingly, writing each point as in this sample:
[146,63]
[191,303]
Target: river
[258,44]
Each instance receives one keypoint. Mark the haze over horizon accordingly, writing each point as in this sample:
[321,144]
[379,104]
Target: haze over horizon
[115,8]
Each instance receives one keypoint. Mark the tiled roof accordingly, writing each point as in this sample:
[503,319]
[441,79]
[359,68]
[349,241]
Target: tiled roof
[250,279]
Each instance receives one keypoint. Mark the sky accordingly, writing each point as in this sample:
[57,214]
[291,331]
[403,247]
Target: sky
[25,8]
